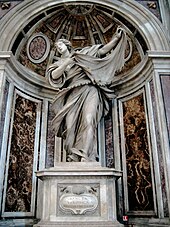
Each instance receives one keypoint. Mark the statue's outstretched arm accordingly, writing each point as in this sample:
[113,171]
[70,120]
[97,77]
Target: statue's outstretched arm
[109,46]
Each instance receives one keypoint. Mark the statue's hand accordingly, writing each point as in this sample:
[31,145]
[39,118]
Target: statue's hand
[69,60]
[119,32]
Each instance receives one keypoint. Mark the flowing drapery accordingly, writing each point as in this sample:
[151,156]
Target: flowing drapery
[82,97]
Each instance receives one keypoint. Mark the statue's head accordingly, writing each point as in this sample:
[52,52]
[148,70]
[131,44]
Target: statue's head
[63,45]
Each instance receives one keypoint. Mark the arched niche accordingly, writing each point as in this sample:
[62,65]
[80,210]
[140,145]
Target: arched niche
[23,25]
[144,29]
[150,29]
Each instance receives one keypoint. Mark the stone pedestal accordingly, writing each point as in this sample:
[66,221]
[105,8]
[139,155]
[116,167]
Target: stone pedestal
[79,194]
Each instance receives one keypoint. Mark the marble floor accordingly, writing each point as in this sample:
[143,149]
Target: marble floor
[17,223]
[30,223]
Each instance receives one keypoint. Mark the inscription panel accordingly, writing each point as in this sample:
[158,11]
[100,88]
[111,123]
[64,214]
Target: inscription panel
[78,199]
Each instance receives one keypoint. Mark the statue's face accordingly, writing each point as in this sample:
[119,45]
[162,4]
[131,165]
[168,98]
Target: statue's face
[61,47]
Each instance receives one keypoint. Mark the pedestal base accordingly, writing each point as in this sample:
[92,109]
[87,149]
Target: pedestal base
[79,224]
[79,194]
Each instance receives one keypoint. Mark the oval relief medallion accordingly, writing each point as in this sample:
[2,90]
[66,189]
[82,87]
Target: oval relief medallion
[38,48]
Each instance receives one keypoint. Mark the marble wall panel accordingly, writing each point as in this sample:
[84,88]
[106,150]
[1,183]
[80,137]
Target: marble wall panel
[160,156]
[165,82]
[139,179]
[109,145]
[3,111]
[152,6]
[20,169]
[50,140]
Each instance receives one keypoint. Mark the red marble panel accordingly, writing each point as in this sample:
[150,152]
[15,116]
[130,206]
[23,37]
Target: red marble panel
[20,170]
[139,179]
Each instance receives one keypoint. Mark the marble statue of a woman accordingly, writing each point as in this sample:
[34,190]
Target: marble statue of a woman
[83,78]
